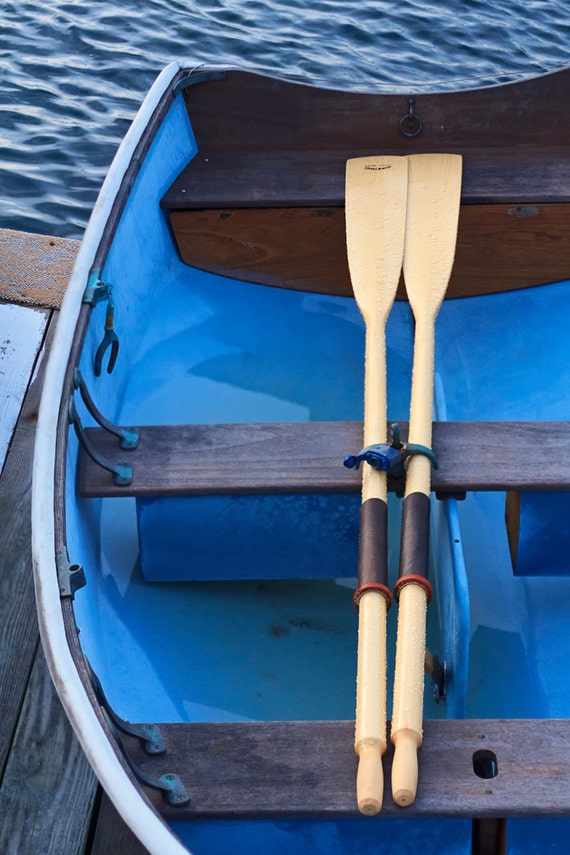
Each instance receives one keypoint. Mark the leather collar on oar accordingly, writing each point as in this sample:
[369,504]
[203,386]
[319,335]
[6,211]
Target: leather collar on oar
[434,188]
[376,189]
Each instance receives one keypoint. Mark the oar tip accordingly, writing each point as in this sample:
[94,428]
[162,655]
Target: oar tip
[404,796]
[369,806]
[369,780]
[405,768]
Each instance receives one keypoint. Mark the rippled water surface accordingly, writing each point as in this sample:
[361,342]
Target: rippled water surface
[74,73]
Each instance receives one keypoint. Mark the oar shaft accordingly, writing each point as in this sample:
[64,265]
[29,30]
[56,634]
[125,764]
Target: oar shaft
[370,738]
[431,231]
[376,192]
[418,475]
[374,482]
[411,591]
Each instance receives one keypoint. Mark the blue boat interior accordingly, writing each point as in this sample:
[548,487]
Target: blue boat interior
[232,608]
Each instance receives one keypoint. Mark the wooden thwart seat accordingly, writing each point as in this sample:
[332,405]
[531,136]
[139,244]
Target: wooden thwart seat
[306,457]
[267,769]
[263,199]
[277,218]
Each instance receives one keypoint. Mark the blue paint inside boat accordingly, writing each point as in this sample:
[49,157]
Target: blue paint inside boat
[357,837]
[391,837]
[214,350]
[544,536]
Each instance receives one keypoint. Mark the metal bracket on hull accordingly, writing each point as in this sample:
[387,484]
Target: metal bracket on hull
[151,741]
[149,735]
[128,436]
[71,577]
[98,290]
[169,784]
[122,472]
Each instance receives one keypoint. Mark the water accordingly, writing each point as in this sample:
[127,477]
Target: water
[73,74]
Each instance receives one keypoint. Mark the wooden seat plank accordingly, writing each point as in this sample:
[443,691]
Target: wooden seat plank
[267,769]
[278,178]
[306,457]
[277,218]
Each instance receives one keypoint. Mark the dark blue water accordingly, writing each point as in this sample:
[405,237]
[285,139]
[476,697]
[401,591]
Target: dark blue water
[73,73]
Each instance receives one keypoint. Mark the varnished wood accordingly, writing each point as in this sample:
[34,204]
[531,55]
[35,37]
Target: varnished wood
[280,178]
[499,247]
[265,769]
[245,111]
[179,460]
[263,199]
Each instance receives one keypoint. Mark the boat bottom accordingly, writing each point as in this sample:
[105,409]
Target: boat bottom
[367,837]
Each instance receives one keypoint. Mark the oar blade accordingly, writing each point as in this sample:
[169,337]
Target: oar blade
[376,191]
[434,191]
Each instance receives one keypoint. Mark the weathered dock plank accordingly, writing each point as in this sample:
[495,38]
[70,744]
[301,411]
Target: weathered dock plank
[48,789]
[21,335]
[46,786]
[112,835]
[18,627]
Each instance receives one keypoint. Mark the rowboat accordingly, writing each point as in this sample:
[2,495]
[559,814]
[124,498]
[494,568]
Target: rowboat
[195,532]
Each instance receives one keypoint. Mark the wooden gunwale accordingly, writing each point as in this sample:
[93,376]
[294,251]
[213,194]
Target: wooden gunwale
[63,426]
[86,309]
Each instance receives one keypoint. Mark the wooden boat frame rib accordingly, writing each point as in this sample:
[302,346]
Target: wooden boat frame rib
[272,757]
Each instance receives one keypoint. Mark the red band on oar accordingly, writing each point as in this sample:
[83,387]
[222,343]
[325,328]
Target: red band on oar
[413,578]
[373,586]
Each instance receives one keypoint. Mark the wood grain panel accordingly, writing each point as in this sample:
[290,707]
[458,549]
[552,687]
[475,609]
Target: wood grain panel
[499,247]
[268,769]
[280,178]
[245,111]
[306,457]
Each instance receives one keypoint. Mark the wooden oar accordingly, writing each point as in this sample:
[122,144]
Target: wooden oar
[376,190]
[434,186]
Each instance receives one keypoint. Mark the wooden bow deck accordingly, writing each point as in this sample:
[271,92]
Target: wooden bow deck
[49,799]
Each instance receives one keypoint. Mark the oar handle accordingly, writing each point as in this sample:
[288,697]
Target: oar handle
[407,728]
[372,598]
[370,734]
[413,593]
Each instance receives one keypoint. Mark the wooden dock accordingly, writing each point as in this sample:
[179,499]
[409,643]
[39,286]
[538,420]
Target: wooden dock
[50,802]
